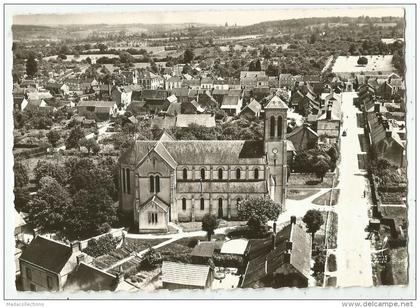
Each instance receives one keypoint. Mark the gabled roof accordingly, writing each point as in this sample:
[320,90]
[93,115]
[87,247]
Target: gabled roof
[178,92]
[236,246]
[166,137]
[107,104]
[276,103]
[230,101]
[298,257]
[185,274]
[204,152]
[204,249]
[254,106]
[155,200]
[163,152]
[89,278]
[46,253]
[184,120]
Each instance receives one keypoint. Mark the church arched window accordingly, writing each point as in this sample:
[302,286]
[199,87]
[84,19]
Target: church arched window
[185,174]
[220,173]
[279,126]
[272,126]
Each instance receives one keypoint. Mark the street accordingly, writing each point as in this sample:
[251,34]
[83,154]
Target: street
[353,250]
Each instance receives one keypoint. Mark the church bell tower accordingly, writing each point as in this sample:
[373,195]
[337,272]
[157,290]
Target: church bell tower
[275,147]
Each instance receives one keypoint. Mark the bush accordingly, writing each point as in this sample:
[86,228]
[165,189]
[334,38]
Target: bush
[192,242]
[151,259]
[228,260]
[101,246]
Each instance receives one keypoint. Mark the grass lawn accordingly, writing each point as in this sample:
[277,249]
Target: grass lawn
[325,198]
[303,180]
[196,225]
[296,194]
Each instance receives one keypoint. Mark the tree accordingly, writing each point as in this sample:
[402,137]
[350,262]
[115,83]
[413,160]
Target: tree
[125,57]
[362,61]
[49,169]
[75,135]
[313,220]
[321,167]
[21,174]
[258,211]
[53,137]
[188,55]
[48,209]
[31,65]
[90,144]
[102,47]
[209,224]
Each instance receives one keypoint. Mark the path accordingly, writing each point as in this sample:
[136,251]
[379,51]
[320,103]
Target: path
[353,250]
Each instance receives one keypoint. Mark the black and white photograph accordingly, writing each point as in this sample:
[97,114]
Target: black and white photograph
[203,150]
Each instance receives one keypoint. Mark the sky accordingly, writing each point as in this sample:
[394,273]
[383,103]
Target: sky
[241,15]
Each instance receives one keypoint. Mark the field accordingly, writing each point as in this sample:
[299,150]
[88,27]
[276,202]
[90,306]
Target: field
[375,64]
[298,194]
[325,198]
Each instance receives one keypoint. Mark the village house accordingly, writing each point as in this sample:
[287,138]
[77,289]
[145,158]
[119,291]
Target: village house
[173,82]
[130,76]
[186,276]
[207,83]
[219,94]
[181,94]
[329,119]
[252,110]
[385,140]
[253,79]
[86,277]
[288,261]
[191,107]
[121,95]
[103,110]
[45,264]
[231,105]
[303,100]
[205,119]
[149,80]
[155,100]
[203,252]
[220,84]
[186,179]
[303,137]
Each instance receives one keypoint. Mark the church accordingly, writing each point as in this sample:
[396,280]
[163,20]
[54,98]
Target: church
[170,180]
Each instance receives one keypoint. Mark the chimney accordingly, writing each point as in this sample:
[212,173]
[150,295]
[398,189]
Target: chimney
[293,220]
[287,257]
[80,258]
[377,107]
[328,116]
[75,246]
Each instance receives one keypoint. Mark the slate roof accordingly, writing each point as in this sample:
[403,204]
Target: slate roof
[220,92]
[184,120]
[204,249]
[156,201]
[278,259]
[154,94]
[257,187]
[174,109]
[204,152]
[230,101]
[109,104]
[88,278]
[48,254]
[276,103]
[178,92]
[254,106]
[185,274]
